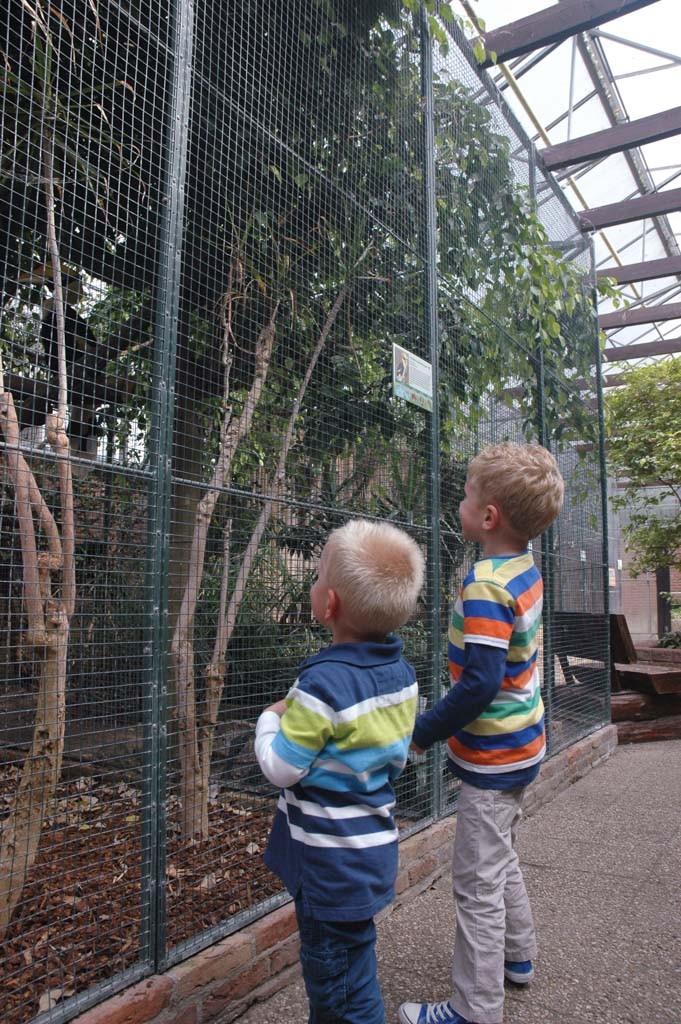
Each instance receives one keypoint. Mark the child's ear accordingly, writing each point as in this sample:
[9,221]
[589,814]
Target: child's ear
[492,517]
[332,606]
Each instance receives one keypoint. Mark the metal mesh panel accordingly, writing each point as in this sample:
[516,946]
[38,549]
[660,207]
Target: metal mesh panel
[244,211]
[293,277]
[85,110]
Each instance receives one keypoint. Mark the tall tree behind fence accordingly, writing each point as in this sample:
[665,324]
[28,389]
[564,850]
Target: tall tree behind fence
[216,219]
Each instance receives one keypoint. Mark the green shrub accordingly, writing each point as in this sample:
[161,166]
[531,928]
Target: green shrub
[670,640]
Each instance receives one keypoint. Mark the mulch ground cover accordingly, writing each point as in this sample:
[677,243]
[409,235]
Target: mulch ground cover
[79,918]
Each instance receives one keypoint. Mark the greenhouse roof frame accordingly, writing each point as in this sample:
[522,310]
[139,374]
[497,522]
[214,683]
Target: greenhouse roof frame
[592,102]
[553,25]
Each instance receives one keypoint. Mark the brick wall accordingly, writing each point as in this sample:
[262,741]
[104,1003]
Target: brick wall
[217,985]
[639,605]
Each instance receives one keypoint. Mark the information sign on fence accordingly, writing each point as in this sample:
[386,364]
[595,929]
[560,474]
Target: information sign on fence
[412,378]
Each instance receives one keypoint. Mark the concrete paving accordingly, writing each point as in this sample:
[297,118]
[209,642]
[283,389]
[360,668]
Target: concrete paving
[602,863]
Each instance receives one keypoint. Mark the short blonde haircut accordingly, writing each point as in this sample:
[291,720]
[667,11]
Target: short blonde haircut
[377,571]
[523,480]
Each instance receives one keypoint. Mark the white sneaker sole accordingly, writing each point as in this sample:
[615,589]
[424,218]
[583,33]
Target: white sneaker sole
[519,979]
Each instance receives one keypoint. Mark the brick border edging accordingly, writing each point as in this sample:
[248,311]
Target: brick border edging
[251,965]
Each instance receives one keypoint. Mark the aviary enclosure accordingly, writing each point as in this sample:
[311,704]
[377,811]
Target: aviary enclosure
[216,219]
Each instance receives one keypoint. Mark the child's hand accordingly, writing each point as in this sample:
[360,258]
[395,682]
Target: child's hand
[417,750]
[279,708]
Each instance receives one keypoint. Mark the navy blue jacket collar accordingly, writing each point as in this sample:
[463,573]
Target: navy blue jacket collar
[362,654]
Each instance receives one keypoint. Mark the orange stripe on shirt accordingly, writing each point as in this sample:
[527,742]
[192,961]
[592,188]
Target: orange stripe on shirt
[504,756]
[487,627]
[455,671]
[520,681]
[529,597]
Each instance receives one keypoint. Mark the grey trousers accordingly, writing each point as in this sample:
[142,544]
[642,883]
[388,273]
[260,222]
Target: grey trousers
[493,916]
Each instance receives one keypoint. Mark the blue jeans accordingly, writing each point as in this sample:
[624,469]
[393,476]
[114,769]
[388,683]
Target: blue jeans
[339,969]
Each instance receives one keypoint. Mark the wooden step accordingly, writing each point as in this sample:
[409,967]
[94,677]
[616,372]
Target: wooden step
[647,732]
[631,706]
[648,678]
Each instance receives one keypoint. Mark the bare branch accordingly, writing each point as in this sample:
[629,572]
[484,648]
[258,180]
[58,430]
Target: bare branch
[56,436]
[21,477]
[53,249]
[195,752]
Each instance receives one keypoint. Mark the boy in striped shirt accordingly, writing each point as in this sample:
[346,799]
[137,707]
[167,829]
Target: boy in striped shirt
[335,745]
[493,721]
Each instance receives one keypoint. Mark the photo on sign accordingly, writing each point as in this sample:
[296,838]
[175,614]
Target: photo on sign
[401,364]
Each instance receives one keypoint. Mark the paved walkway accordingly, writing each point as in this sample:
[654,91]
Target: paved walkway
[602,864]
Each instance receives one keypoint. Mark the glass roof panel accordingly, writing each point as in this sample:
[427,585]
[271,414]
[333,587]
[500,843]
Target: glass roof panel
[622,70]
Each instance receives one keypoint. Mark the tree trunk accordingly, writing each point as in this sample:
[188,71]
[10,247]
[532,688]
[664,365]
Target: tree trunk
[48,619]
[215,671]
[47,641]
[194,780]
[196,744]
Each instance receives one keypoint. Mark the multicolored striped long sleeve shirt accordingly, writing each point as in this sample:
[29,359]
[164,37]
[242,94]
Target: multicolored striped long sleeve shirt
[493,717]
[336,751]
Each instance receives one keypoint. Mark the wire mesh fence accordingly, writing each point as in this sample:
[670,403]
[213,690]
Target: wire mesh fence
[217,219]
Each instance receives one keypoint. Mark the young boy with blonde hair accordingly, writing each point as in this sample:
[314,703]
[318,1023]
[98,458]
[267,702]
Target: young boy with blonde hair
[493,720]
[335,745]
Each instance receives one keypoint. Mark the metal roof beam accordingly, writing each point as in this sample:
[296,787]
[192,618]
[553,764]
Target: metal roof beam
[630,209]
[622,353]
[674,58]
[566,113]
[647,271]
[555,24]
[613,140]
[637,239]
[643,315]
[595,61]
[656,298]
[520,67]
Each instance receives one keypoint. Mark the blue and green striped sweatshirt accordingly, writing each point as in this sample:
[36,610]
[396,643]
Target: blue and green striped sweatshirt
[336,752]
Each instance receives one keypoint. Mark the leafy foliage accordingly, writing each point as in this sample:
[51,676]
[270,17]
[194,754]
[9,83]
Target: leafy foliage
[670,640]
[337,172]
[644,448]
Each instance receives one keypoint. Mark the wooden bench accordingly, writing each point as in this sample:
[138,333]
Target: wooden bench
[632,674]
[579,636]
[646,699]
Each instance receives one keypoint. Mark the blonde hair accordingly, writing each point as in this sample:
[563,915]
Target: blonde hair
[523,480]
[377,571]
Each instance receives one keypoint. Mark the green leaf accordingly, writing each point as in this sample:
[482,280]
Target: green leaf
[479,51]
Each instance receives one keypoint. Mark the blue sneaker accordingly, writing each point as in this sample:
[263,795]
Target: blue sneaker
[520,972]
[430,1013]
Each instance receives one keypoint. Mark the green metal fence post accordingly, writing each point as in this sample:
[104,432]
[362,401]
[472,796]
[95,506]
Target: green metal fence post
[163,399]
[429,251]
[548,536]
[605,548]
